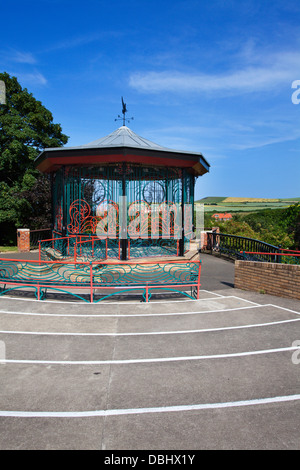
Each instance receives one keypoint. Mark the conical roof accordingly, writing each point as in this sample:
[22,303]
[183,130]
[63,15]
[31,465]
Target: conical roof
[124,137]
[122,145]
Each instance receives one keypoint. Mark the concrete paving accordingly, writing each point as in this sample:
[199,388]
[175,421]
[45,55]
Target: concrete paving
[222,372]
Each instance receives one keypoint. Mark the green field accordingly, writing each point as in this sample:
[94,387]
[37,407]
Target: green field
[240,204]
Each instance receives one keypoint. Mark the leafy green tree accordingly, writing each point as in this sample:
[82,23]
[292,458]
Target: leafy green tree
[273,226]
[26,127]
[277,226]
[297,233]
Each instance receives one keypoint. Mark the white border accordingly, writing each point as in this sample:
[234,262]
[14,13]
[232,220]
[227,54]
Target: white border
[125,315]
[149,333]
[160,409]
[152,360]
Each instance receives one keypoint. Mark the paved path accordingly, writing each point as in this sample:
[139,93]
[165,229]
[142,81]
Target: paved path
[219,373]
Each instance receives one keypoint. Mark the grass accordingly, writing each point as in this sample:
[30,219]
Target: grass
[242,204]
[7,249]
[211,200]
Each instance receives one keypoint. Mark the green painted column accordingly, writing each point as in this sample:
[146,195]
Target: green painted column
[183,200]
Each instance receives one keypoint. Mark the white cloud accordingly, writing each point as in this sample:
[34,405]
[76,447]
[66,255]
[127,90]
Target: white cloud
[16,56]
[263,142]
[23,57]
[21,65]
[82,40]
[271,71]
[34,78]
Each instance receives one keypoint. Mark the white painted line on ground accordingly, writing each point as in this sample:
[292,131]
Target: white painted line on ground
[151,360]
[147,333]
[125,315]
[245,300]
[284,308]
[160,409]
[214,293]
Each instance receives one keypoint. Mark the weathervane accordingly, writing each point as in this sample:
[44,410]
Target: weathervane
[124,111]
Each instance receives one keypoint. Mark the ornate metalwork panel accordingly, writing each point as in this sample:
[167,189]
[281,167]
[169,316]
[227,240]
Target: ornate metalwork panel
[88,201]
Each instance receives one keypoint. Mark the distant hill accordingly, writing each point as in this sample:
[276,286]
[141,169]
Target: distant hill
[211,200]
[225,199]
[244,204]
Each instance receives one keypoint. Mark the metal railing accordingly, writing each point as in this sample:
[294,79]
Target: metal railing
[233,246]
[98,279]
[36,235]
[90,248]
[285,256]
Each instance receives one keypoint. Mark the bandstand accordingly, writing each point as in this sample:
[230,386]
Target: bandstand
[123,196]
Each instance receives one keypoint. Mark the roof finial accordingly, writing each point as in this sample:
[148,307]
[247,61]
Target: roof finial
[124,111]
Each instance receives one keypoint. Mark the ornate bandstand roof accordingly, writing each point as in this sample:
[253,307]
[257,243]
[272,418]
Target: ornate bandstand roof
[122,145]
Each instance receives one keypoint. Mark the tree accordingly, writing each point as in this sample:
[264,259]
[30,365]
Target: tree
[273,226]
[26,127]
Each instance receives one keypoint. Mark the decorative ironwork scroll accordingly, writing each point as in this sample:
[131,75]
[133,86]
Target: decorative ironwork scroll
[88,201]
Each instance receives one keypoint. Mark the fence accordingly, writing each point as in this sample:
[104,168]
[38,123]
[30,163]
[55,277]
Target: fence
[36,235]
[78,278]
[235,246]
[88,248]
[284,256]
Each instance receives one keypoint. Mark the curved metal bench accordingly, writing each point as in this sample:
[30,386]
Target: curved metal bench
[104,277]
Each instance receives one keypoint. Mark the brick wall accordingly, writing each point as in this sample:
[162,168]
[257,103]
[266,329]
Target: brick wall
[272,278]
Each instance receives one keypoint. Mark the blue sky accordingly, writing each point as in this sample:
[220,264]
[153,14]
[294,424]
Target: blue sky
[206,76]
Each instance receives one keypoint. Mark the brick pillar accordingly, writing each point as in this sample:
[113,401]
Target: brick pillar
[203,243]
[216,238]
[23,239]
